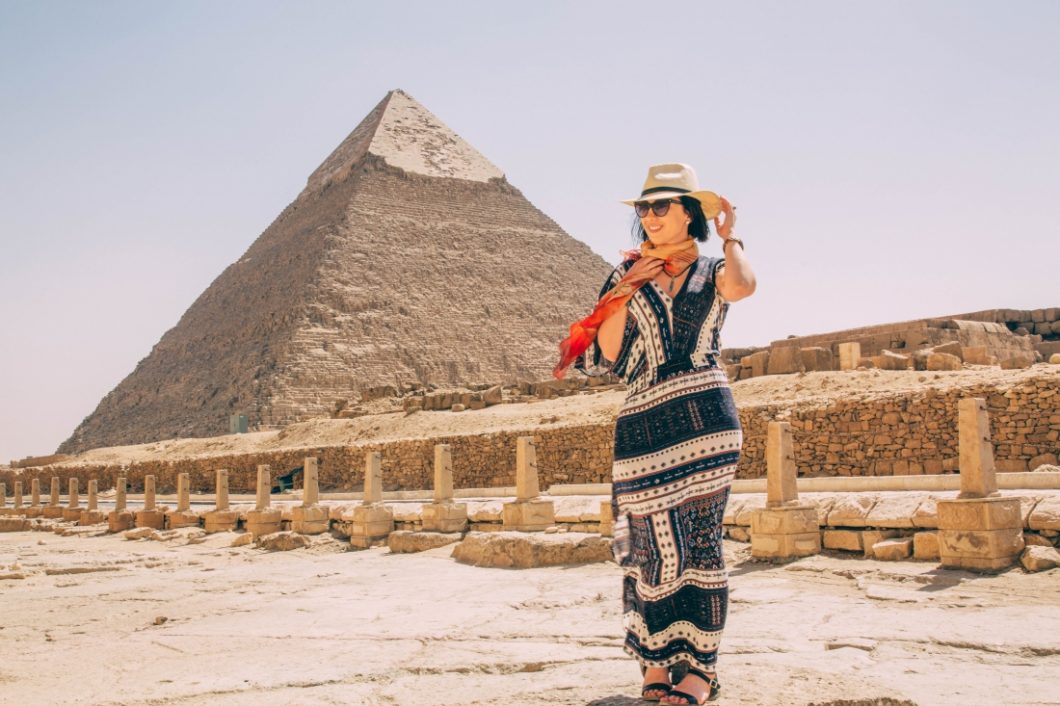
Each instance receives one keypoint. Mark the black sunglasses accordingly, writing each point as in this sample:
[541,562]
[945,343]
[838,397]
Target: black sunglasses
[660,208]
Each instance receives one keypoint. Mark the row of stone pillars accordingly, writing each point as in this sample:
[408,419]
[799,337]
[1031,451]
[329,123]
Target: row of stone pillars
[979,529]
[370,522]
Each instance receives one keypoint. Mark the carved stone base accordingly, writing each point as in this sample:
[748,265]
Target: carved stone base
[155,519]
[528,515]
[785,532]
[370,525]
[444,517]
[260,522]
[120,520]
[91,517]
[313,519]
[220,521]
[181,518]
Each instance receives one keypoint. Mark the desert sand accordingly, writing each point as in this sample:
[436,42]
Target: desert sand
[103,620]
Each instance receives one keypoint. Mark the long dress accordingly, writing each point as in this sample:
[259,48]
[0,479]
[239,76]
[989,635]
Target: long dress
[677,442]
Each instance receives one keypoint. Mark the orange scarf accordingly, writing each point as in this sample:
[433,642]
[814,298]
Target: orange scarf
[677,257]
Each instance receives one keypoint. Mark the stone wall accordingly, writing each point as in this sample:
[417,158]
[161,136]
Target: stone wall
[890,435]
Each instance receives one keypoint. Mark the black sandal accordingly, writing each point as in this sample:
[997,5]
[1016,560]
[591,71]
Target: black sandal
[661,686]
[715,688]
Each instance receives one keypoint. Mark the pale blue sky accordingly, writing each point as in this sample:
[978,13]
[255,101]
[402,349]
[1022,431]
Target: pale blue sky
[889,160]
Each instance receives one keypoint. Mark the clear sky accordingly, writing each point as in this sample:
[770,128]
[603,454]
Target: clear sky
[889,161]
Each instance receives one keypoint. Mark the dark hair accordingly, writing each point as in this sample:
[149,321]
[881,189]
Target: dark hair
[698,228]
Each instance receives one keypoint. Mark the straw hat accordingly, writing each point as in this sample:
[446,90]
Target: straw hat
[668,180]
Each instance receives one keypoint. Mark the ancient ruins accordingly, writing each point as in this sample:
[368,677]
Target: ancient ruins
[408,257]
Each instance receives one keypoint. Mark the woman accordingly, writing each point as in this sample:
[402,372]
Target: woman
[678,435]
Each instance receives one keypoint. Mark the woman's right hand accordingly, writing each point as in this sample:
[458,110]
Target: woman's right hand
[645,268]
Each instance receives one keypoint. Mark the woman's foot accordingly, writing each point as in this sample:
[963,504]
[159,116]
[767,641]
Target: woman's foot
[693,685]
[655,675]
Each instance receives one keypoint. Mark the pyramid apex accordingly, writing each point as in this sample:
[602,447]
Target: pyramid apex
[407,135]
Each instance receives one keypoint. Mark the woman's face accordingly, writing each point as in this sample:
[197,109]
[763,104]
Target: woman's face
[671,228]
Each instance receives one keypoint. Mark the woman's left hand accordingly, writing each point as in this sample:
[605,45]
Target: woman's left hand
[728,210]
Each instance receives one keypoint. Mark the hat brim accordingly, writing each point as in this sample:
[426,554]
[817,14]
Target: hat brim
[710,201]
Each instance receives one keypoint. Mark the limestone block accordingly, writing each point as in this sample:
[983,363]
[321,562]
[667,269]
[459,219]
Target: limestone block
[738,534]
[785,546]
[14,524]
[845,540]
[1046,459]
[943,361]
[926,514]
[894,511]
[281,541]
[1040,558]
[520,550]
[824,506]
[262,522]
[444,517]
[980,549]
[1018,361]
[816,358]
[607,519]
[242,540]
[52,513]
[181,518]
[71,514]
[120,520]
[220,521]
[91,517]
[1054,359]
[1046,515]
[784,520]
[528,515]
[485,511]
[406,512]
[953,348]
[979,514]
[784,360]
[153,519]
[748,509]
[893,549]
[407,542]
[926,546]
[1032,539]
[851,510]
[756,364]
[849,355]
[370,524]
[311,519]
[979,355]
[870,538]
[892,361]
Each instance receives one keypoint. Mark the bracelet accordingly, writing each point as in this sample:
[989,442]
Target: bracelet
[729,240]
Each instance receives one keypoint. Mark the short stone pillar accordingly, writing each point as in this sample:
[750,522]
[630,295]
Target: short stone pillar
[444,515]
[371,521]
[3,499]
[91,515]
[183,515]
[34,509]
[120,519]
[849,355]
[53,509]
[150,516]
[263,519]
[979,529]
[221,518]
[72,511]
[784,529]
[19,510]
[310,517]
[528,513]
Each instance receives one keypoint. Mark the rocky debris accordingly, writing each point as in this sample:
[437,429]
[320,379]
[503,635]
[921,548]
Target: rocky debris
[523,550]
[282,541]
[893,549]
[1035,558]
[408,542]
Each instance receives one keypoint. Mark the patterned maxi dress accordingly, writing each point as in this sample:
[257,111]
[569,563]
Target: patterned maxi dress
[677,442]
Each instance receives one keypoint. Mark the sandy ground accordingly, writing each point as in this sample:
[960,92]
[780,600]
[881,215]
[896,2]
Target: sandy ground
[106,621]
[805,389]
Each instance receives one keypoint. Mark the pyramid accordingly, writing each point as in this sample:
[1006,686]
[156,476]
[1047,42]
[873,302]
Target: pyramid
[408,257]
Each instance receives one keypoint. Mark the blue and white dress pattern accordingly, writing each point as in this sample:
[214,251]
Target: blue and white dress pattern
[677,443]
